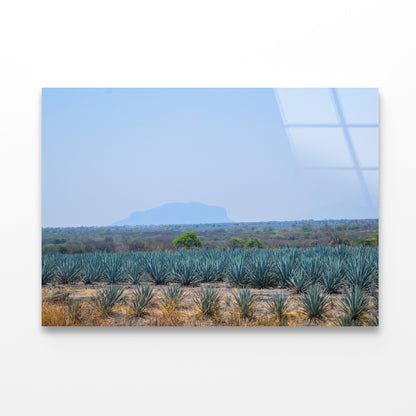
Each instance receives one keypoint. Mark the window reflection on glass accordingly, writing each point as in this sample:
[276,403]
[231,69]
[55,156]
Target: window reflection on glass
[334,129]
[320,146]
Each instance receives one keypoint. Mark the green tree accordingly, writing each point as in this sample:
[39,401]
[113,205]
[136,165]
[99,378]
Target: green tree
[235,242]
[62,248]
[188,239]
[253,242]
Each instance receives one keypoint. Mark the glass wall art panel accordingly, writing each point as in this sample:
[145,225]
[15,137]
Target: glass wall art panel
[210,207]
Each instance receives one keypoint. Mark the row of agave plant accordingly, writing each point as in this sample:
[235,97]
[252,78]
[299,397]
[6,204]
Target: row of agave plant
[355,308]
[334,269]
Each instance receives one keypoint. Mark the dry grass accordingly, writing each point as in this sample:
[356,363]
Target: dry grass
[78,309]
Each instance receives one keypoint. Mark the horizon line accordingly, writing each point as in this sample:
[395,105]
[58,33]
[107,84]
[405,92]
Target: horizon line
[210,223]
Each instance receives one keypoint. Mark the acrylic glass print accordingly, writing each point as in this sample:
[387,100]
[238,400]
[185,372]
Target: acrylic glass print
[210,207]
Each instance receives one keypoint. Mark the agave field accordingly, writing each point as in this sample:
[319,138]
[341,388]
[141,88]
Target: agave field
[320,286]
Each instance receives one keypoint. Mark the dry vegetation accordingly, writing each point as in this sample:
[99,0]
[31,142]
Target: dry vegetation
[79,308]
[273,235]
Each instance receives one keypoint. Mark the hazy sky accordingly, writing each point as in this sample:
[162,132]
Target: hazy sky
[109,152]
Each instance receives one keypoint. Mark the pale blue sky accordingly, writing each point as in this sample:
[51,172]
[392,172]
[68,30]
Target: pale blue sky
[109,152]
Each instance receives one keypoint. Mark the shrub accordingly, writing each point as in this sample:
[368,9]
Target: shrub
[355,305]
[184,271]
[333,278]
[73,310]
[134,244]
[49,249]
[106,299]
[343,320]
[68,270]
[299,282]
[313,268]
[107,245]
[156,268]
[261,273]
[286,268]
[277,307]
[172,297]
[375,302]
[92,271]
[113,268]
[74,247]
[88,248]
[134,271]
[361,273]
[218,263]
[237,272]
[207,271]
[235,242]
[367,242]
[244,299]
[142,296]
[48,269]
[62,249]
[207,301]
[315,304]
[372,319]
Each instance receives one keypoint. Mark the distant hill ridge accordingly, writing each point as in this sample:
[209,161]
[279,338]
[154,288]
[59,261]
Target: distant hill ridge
[177,213]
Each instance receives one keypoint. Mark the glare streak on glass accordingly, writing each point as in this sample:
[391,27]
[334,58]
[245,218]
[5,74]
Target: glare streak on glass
[359,145]
[351,147]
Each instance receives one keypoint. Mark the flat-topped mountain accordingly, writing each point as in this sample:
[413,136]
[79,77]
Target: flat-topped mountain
[177,213]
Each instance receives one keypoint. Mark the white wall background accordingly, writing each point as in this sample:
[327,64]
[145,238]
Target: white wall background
[211,371]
